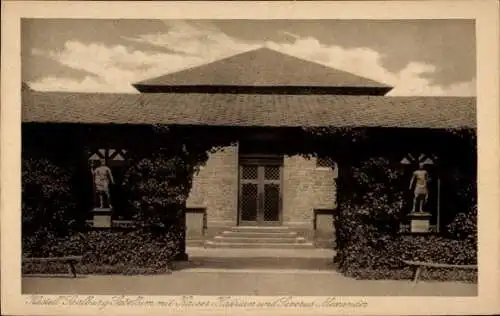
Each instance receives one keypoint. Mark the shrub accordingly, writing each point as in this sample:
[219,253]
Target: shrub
[371,212]
[386,252]
[60,268]
[158,187]
[437,249]
[47,200]
[464,225]
[368,242]
[105,251]
[406,273]
[157,183]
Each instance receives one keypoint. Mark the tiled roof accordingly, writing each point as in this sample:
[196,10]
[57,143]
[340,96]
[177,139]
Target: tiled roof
[250,110]
[263,67]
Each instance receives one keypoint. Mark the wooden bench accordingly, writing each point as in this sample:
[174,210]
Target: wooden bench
[419,265]
[70,261]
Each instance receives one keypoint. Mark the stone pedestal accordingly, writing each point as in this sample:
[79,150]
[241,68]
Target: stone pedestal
[420,222]
[101,217]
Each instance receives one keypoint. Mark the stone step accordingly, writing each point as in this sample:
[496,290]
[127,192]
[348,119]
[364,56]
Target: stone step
[213,244]
[261,229]
[195,242]
[325,243]
[259,240]
[255,234]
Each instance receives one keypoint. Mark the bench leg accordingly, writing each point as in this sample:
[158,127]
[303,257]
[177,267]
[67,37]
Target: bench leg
[71,269]
[416,274]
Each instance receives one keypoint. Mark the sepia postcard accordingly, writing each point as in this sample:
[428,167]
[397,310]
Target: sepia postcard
[250,157]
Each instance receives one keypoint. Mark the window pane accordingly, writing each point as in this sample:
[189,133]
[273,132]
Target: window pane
[272,173]
[249,172]
[271,202]
[249,202]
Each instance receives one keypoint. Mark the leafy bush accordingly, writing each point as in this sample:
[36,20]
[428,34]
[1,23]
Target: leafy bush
[407,274]
[383,256]
[373,210]
[47,200]
[367,248]
[60,268]
[105,251]
[47,212]
[158,187]
[368,242]
[157,184]
[437,249]
[464,225]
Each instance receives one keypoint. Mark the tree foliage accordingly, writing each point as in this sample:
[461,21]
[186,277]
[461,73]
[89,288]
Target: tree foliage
[46,195]
[158,186]
[464,225]
[369,214]
[160,178]
[48,203]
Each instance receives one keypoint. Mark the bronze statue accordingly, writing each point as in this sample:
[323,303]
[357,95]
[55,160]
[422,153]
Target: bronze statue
[102,179]
[420,178]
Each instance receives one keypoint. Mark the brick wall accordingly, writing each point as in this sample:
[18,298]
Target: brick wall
[216,188]
[305,188]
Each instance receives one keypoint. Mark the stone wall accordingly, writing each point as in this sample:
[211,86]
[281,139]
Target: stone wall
[305,188]
[215,188]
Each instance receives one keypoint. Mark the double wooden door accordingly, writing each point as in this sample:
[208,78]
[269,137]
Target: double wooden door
[260,201]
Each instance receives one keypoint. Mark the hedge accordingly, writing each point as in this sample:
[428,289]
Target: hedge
[48,201]
[370,255]
[427,274]
[157,182]
[369,243]
[52,220]
[141,251]
[387,251]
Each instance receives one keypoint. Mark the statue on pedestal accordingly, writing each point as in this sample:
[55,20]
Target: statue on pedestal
[420,180]
[102,179]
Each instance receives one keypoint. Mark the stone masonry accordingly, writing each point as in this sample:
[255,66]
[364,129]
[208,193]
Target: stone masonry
[305,188]
[216,188]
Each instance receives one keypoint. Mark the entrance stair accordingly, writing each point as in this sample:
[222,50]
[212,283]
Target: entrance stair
[259,237]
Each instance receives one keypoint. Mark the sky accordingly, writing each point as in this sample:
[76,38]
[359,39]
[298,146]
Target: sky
[416,57]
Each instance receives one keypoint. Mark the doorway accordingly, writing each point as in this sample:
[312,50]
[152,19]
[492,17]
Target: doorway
[260,190]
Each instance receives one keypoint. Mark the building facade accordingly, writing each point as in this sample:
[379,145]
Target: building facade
[279,190]
[255,185]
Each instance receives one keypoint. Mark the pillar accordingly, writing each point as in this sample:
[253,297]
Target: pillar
[182,255]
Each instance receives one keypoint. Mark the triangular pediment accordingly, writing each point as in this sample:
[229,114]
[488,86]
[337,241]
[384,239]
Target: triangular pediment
[264,70]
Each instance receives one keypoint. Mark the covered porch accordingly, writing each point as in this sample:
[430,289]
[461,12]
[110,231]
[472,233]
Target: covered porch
[277,184]
[274,148]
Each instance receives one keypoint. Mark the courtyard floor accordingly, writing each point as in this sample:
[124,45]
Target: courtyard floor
[268,272]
